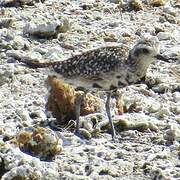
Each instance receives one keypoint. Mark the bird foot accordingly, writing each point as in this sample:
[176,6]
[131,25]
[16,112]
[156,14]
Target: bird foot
[114,139]
[78,134]
[83,133]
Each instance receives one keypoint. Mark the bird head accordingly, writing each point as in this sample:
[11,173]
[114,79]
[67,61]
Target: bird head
[145,51]
[141,56]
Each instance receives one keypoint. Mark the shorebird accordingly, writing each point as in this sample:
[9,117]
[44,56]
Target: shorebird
[105,68]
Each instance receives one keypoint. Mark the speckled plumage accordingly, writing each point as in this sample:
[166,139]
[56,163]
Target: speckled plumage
[106,67]
[93,62]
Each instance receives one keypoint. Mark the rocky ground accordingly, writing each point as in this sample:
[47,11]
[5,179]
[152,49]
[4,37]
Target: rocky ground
[149,146]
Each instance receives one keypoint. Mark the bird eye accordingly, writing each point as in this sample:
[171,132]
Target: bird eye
[145,51]
[139,51]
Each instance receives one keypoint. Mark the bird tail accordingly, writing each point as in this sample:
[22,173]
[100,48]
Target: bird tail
[36,63]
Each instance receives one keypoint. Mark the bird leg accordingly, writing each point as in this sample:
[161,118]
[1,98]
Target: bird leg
[108,111]
[78,102]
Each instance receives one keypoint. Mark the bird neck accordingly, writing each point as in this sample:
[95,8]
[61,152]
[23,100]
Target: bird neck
[138,69]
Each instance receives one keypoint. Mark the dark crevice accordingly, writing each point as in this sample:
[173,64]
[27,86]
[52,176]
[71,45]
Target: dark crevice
[2,168]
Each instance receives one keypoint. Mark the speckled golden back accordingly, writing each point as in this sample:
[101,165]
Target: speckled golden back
[106,67]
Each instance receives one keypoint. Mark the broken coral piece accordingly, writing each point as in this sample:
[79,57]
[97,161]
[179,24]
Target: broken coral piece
[39,142]
[135,5]
[19,3]
[47,28]
[157,3]
[61,100]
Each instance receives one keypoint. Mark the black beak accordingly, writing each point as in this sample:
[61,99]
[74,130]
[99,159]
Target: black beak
[162,58]
[166,58]
[159,56]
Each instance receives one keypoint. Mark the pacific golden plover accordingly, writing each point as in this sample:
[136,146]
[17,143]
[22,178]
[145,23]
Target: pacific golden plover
[105,68]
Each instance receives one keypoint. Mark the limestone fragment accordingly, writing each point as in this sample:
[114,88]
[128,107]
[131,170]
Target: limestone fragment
[47,28]
[157,3]
[136,5]
[40,142]
[61,100]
